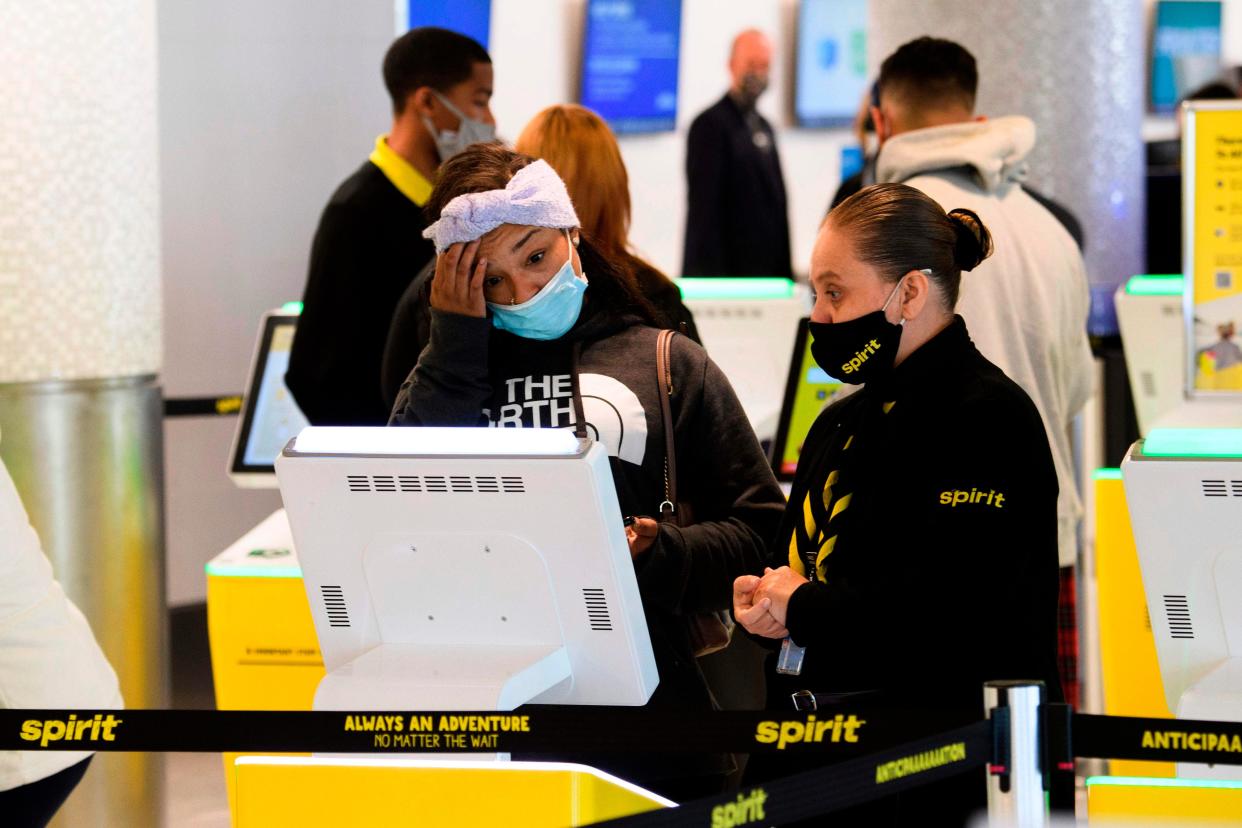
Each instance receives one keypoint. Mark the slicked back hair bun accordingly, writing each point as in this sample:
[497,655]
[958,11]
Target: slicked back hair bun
[974,242]
[896,229]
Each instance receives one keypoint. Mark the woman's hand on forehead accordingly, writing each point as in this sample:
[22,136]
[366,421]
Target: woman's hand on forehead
[458,283]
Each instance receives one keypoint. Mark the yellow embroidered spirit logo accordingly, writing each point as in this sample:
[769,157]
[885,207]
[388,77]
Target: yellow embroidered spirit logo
[837,729]
[860,357]
[74,730]
[747,809]
[960,497]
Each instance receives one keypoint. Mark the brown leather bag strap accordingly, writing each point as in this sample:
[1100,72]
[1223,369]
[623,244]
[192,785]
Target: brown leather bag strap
[664,372]
[580,423]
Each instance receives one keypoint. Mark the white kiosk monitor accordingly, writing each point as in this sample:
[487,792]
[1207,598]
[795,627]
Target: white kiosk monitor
[1184,490]
[269,417]
[1149,314]
[748,326]
[465,569]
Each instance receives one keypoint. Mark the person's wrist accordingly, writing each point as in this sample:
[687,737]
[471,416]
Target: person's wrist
[793,607]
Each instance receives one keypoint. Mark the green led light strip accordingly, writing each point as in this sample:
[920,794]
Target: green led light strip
[1156,284]
[1193,442]
[1107,474]
[1161,782]
[735,287]
[292,307]
[227,571]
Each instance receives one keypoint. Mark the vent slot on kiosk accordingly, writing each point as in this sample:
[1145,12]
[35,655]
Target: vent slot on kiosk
[435,484]
[334,606]
[1177,610]
[1215,488]
[597,609]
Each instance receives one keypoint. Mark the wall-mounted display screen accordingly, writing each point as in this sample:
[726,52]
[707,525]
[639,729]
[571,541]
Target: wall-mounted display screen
[629,63]
[831,61]
[1185,50]
[472,18]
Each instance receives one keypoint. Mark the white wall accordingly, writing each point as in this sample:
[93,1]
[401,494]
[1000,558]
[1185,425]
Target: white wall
[263,107]
[536,48]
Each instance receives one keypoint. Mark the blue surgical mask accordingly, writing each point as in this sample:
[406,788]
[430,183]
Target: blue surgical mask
[551,312]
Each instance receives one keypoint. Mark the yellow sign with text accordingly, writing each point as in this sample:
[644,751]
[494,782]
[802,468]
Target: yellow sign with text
[1215,249]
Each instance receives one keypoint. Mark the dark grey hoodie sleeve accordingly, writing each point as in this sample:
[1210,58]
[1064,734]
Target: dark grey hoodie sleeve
[724,475]
[450,384]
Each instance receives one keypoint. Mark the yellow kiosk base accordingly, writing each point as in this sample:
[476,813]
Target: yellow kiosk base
[264,653]
[326,792]
[265,656]
[1131,674]
[1131,800]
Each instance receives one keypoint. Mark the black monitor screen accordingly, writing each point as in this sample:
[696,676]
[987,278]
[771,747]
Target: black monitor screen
[270,417]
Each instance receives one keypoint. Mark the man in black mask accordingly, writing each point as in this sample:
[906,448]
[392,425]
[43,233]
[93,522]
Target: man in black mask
[737,223]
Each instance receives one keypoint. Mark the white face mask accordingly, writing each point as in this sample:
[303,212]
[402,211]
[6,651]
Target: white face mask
[470,131]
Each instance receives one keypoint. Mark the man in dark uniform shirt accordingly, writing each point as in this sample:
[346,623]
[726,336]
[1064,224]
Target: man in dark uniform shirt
[369,243]
[737,223]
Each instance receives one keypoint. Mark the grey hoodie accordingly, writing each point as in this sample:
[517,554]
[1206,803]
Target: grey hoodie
[994,150]
[1027,305]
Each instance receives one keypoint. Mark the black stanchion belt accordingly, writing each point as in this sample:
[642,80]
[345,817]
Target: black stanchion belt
[844,732]
[223,406]
[1164,740]
[841,785]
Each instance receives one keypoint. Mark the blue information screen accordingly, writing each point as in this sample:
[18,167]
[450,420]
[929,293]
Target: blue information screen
[472,18]
[831,61]
[852,160]
[1185,50]
[629,63]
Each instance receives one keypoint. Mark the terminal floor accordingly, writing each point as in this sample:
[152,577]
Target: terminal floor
[195,796]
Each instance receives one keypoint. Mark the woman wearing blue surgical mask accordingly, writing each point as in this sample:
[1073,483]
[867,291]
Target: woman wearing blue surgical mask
[532,327]
[918,554]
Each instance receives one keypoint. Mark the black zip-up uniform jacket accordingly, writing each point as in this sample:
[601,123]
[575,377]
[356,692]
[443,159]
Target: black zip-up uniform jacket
[921,599]
[471,374]
[920,594]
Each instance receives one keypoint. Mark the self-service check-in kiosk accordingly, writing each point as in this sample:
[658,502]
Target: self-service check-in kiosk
[748,326]
[1183,481]
[465,568]
[501,606]
[1184,487]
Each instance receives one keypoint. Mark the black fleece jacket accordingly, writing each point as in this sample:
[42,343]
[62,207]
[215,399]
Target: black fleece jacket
[471,375]
[944,572]
[367,249]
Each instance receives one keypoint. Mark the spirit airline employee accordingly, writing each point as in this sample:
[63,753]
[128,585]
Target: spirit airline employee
[532,326]
[918,553]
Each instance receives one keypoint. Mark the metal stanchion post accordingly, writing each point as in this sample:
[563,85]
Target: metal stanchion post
[1015,783]
[1058,758]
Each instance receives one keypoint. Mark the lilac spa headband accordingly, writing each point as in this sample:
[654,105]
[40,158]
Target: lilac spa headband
[535,197]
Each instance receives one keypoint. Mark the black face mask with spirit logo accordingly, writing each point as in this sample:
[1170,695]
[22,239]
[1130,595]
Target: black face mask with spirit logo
[860,350]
